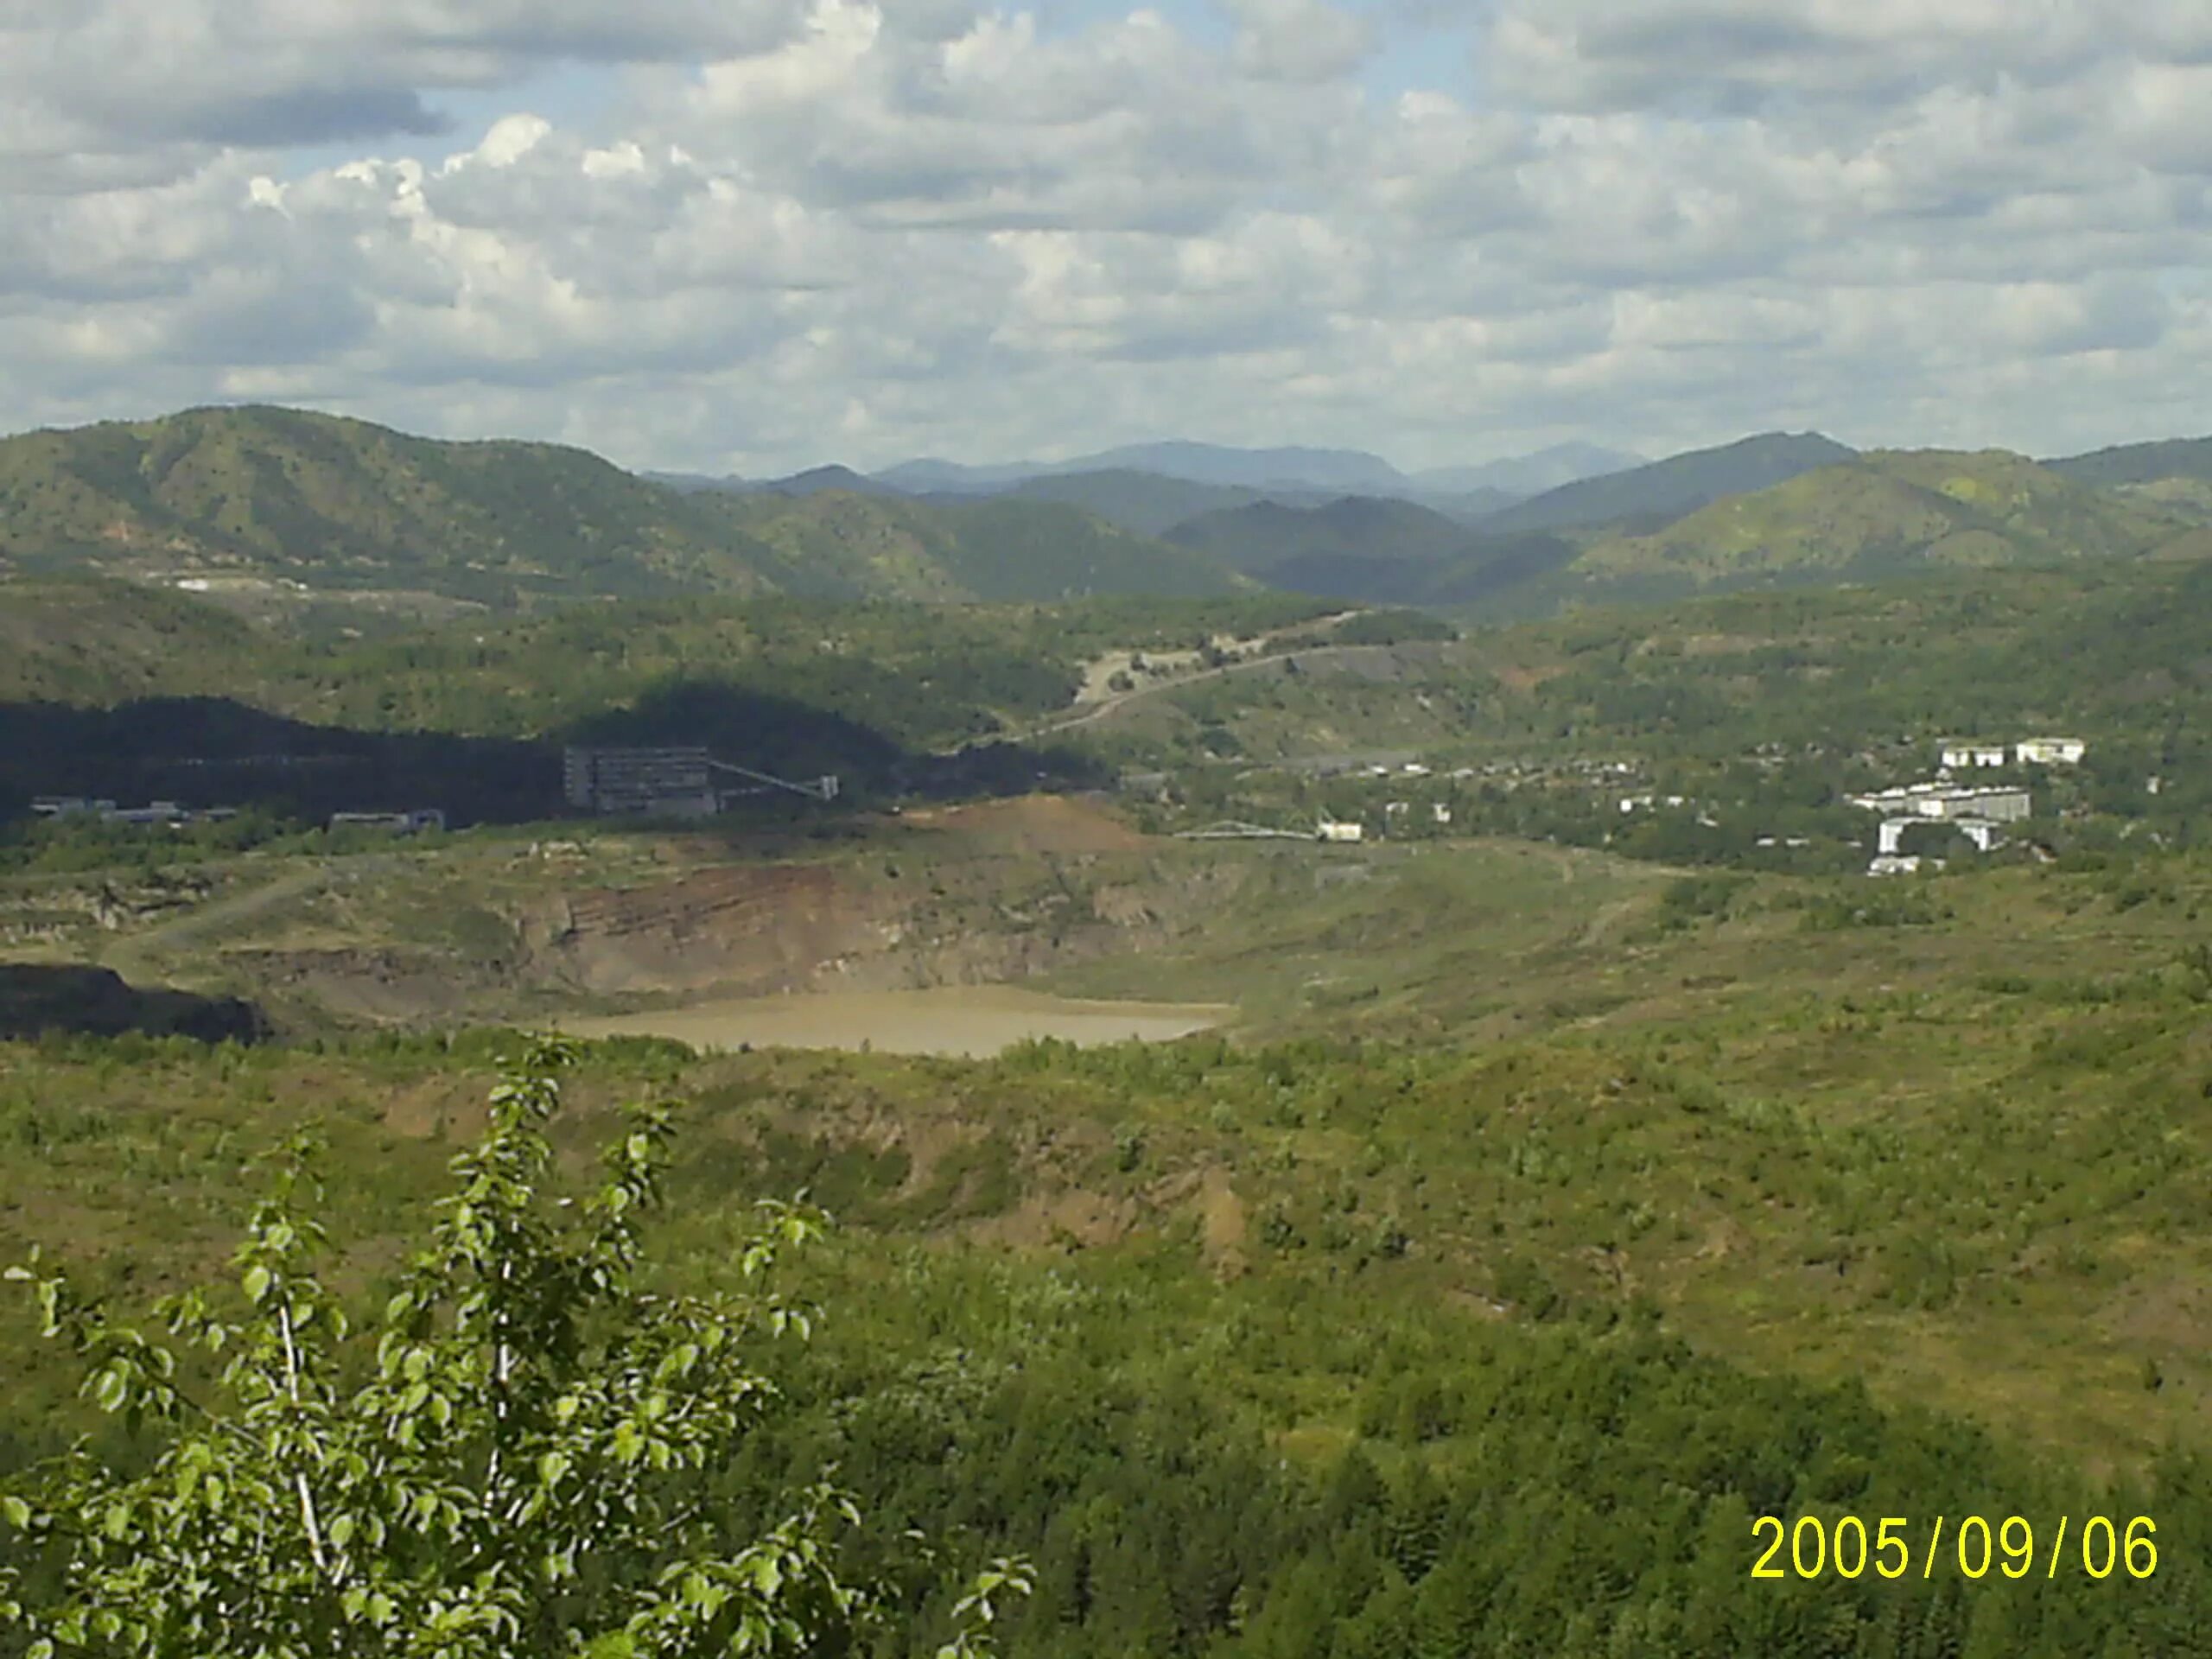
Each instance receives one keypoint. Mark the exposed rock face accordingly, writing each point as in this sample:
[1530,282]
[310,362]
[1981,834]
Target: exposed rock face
[772,928]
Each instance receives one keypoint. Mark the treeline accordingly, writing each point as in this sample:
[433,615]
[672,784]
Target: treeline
[1497,1490]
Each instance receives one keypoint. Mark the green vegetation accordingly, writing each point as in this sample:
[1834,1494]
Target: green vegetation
[527,1470]
[1760,712]
[2139,463]
[1664,490]
[1884,512]
[261,501]
[465,715]
[1335,1345]
[1577,1187]
[1149,502]
[337,523]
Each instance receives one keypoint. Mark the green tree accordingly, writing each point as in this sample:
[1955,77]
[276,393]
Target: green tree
[517,1465]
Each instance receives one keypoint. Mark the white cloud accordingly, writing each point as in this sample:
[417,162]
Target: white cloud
[937,225]
[1298,40]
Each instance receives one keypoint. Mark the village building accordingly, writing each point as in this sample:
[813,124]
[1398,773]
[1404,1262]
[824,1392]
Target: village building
[1960,754]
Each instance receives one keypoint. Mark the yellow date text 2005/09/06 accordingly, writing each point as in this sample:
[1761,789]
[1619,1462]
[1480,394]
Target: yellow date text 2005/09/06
[1895,1547]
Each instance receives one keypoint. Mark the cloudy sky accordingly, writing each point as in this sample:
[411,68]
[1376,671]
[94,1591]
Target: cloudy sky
[750,235]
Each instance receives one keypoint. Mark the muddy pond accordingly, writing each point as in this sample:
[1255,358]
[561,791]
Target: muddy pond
[970,1019]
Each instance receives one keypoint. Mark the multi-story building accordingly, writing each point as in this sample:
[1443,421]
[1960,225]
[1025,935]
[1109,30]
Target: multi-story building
[667,783]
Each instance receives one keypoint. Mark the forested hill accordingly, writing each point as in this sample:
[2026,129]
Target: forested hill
[1886,512]
[281,496]
[1665,490]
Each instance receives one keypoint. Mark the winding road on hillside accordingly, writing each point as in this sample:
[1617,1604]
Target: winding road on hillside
[1120,699]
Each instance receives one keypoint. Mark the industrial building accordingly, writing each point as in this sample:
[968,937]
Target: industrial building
[668,783]
[671,783]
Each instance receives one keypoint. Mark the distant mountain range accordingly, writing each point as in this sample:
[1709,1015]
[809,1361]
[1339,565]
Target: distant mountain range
[1342,471]
[1284,474]
[1525,475]
[290,500]
[215,496]
[1702,521]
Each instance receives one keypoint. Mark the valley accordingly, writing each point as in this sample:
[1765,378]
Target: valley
[1301,1077]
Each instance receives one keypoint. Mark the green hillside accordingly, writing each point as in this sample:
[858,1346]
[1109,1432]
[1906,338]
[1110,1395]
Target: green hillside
[1760,709]
[1552,1223]
[840,544]
[2138,463]
[291,496]
[1149,503]
[1885,513]
[105,642]
[105,683]
[267,498]
[1666,490]
[2173,477]
[1354,547]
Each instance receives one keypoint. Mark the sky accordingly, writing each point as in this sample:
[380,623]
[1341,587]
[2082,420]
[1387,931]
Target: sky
[750,235]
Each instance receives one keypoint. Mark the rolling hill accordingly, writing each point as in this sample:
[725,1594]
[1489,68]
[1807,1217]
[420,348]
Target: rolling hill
[1527,475]
[1652,496]
[1283,473]
[105,642]
[2138,463]
[1373,551]
[817,479]
[1884,512]
[2174,477]
[1338,548]
[290,496]
[1149,503]
[1197,463]
[836,545]
[281,499]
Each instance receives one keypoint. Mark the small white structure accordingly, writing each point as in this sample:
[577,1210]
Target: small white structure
[405,823]
[1332,829]
[1890,864]
[1959,753]
[2051,750]
[1443,813]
